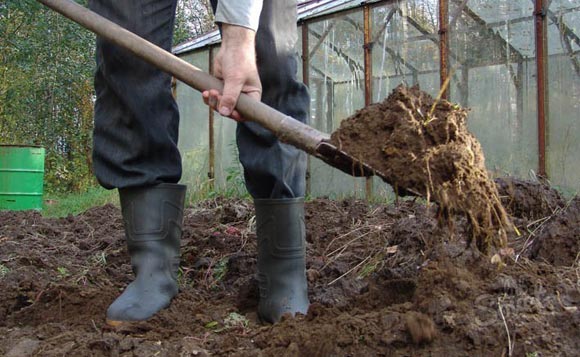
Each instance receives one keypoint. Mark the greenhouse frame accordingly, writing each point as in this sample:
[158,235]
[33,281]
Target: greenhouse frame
[514,63]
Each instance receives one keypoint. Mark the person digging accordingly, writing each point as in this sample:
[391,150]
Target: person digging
[135,148]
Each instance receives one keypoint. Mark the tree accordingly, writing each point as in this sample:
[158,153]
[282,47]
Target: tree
[194,18]
[46,90]
[46,98]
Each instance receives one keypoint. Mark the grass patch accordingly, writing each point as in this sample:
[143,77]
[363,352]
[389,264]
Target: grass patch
[72,204]
[62,205]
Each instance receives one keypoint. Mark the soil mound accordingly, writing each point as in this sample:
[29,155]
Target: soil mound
[422,145]
[383,280]
[526,199]
[552,223]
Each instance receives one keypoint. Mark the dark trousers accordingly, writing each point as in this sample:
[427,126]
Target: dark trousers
[137,120]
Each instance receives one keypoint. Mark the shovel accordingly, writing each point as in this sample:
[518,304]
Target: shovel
[287,129]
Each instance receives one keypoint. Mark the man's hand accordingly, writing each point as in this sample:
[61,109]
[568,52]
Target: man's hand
[235,63]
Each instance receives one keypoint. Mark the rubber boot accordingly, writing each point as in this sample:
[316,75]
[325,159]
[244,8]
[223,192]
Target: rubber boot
[281,258]
[153,220]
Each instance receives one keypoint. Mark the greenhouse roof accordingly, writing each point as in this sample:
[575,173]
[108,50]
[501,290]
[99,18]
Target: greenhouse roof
[306,10]
[491,32]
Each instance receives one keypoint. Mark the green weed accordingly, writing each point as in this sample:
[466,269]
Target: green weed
[374,264]
[100,258]
[234,320]
[220,270]
[62,272]
[4,270]
[211,325]
[62,205]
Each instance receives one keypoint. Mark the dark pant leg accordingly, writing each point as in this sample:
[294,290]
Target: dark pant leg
[273,169]
[136,117]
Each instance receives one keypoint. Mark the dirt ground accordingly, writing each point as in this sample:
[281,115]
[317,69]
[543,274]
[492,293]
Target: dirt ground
[384,281]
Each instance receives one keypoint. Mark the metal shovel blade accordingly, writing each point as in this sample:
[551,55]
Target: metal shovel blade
[339,159]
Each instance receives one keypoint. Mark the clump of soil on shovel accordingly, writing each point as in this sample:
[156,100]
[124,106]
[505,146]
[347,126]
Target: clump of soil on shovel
[423,146]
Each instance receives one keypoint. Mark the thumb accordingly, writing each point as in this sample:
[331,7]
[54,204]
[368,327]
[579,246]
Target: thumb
[231,93]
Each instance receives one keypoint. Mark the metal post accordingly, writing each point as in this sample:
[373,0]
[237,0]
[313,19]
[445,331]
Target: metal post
[368,46]
[444,45]
[211,168]
[540,28]
[306,81]
[464,87]
[519,84]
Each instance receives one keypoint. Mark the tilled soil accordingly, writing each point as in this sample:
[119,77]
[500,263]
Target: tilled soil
[384,280]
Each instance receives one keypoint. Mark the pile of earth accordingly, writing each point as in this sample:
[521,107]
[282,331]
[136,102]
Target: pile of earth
[383,280]
[422,145]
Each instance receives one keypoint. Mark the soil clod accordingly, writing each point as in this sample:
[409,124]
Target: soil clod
[423,146]
[421,327]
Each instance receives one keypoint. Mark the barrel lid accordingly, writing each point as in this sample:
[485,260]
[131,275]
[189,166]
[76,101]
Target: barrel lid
[20,146]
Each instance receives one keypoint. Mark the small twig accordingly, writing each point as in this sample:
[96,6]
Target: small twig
[245,233]
[577,269]
[342,236]
[334,258]
[349,242]
[564,307]
[430,187]
[91,229]
[59,336]
[539,220]
[350,271]
[338,251]
[542,222]
[95,326]
[440,94]
[38,296]
[510,347]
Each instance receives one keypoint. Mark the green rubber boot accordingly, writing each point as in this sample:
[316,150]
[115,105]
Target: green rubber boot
[153,222]
[281,258]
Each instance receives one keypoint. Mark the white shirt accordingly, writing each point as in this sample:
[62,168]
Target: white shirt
[245,13]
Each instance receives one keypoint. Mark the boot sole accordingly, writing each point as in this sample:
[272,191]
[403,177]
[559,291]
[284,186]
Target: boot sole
[117,323]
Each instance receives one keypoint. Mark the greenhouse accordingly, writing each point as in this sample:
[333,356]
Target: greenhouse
[465,242]
[515,64]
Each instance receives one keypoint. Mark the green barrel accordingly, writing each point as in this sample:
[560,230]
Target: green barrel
[21,177]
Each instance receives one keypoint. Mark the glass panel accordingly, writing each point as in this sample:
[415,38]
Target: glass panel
[559,5]
[563,125]
[563,33]
[492,56]
[298,47]
[229,175]
[405,50]
[405,47]
[337,91]
[194,129]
